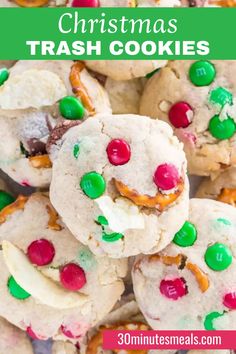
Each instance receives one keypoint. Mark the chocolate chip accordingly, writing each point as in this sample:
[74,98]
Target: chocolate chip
[58,132]
[36,147]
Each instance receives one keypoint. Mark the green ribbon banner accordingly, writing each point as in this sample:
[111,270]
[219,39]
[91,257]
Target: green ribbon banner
[117,33]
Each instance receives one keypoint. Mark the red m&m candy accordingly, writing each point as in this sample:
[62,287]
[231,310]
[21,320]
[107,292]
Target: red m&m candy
[68,333]
[31,333]
[118,152]
[180,115]
[230,300]
[41,252]
[166,176]
[173,289]
[85,3]
[72,277]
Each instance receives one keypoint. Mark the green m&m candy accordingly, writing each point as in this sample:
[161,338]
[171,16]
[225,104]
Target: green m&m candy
[4,74]
[102,220]
[218,257]
[71,108]
[222,129]
[93,185]
[208,322]
[86,259]
[221,97]
[224,221]
[16,290]
[115,236]
[5,199]
[186,236]
[202,73]
[76,150]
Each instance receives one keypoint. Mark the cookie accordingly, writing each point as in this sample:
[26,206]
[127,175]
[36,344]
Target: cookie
[125,95]
[27,119]
[118,181]
[51,285]
[191,284]
[124,69]
[12,340]
[197,99]
[125,316]
[23,154]
[36,84]
[223,188]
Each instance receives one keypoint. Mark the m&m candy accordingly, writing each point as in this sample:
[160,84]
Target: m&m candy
[208,321]
[118,152]
[31,333]
[16,290]
[221,97]
[166,176]
[4,74]
[230,300]
[41,252]
[202,73]
[218,257]
[173,289]
[68,333]
[93,184]
[72,277]
[180,115]
[5,199]
[222,129]
[71,108]
[186,236]
[85,3]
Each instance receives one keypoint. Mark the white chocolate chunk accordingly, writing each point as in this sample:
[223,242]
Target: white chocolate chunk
[121,214]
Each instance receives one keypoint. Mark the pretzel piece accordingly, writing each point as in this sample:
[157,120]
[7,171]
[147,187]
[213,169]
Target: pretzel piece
[200,276]
[18,204]
[31,3]
[40,161]
[227,195]
[53,217]
[78,87]
[96,341]
[223,3]
[159,201]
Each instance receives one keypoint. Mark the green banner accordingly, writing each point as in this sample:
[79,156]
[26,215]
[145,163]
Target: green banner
[117,33]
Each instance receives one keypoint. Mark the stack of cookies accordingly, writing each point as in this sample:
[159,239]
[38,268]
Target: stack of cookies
[97,228]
